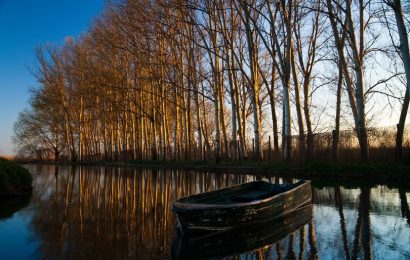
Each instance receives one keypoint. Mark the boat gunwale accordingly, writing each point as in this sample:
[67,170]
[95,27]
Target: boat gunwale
[220,230]
[180,207]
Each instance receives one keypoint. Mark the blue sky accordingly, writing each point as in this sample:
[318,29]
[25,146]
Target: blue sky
[24,25]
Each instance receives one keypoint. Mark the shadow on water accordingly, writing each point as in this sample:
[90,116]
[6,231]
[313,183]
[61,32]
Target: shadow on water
[124,213]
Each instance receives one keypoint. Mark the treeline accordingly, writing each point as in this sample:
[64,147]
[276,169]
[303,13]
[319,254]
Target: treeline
[219,80]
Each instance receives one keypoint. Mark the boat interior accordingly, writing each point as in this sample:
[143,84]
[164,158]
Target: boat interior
[247,192]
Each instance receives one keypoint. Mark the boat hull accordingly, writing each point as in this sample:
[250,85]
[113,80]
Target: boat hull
[217,218]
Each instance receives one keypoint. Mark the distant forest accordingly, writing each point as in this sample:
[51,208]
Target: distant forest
[224,80]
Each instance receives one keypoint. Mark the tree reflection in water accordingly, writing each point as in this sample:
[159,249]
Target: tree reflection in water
[117,213]
[339,206]
[404,205]
[10,206]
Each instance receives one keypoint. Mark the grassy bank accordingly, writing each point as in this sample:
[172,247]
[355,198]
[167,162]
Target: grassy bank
[14,179]
[375,172]
[348,171]
[395,172]
[312,170]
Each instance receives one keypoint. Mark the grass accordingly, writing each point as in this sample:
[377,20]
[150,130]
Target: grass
[14,179]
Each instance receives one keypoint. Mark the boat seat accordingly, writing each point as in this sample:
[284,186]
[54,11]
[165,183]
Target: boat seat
[260,194]
[252,196]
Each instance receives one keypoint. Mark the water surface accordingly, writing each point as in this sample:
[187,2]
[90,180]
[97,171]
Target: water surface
[123,213]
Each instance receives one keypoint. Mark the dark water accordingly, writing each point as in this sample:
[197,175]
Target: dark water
[122,213]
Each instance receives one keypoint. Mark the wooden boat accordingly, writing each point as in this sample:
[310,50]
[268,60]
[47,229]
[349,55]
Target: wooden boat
[239,205]
[239,240]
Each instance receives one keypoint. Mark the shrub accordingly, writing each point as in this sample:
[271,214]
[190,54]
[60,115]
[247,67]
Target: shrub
[14,179]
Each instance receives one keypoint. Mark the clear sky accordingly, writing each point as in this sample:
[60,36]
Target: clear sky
[24,25]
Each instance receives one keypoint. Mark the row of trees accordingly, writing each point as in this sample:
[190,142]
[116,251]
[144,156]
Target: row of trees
[202,79]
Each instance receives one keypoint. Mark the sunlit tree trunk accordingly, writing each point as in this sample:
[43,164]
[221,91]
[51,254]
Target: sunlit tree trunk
[287,135]
[254,77]
[272,97]
[176,128]
[153,127]
[298,104]
[197,110]
[356,97]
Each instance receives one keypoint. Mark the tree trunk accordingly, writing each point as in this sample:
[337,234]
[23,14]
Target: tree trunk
[240,116]
[356,99]
[254,68]
[358,54]
[176,128]
[154,140]
[273,113]
[80,130]
[198,119]
[336,132]
[134,136]
[400,126]
[287,135]
[217,132]
[186,127]
[234,127]
[226,153]
[56,154]
[404,41]
[405,55]
[298,104]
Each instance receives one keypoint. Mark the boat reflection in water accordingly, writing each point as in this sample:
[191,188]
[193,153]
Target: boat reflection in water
[239,240]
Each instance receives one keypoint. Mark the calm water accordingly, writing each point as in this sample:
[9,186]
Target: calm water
[122,213]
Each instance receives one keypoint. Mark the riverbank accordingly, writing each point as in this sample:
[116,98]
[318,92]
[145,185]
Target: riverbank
[322,170]
[14,180]
[374,172]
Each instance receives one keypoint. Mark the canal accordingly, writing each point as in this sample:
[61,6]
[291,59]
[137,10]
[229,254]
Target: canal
[90,212]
